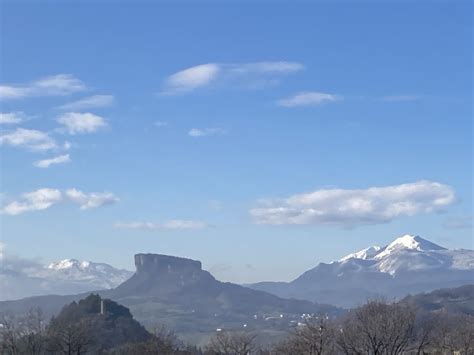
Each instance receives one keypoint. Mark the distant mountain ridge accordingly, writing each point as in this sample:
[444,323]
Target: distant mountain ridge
[409,253]
[99,275]
[451,300]
[409,264]
[69,276]
[176,292]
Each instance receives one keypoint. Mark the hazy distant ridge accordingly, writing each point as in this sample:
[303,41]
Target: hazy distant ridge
[410,264]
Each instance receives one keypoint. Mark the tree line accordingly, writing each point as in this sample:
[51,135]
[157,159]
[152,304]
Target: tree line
[376,328]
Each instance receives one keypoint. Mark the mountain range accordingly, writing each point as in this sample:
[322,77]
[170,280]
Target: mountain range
[447,300]
[21,278]
[178,293]
[408,265]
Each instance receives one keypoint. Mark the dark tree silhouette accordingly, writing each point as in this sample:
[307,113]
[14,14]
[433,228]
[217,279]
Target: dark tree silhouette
[315,337]
[70,339]
[378,328]
[232,343]
[23,335]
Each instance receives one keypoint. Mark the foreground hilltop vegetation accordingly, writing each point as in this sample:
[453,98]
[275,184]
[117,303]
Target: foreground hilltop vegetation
[95,325]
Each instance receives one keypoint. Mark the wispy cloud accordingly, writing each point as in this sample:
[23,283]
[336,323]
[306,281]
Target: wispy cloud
[458,222]
[160,124]
[29,139]
[34,201]
[91,200]
[192,78]
[244,74]
[183,224]
[215,205]
[11,118]
[171,224]
[46,163]
[56,85]
[203,132]
[351,208]
[20,266]
[94,101]
[310,98]
[400,98]
[45,198]
[80,123]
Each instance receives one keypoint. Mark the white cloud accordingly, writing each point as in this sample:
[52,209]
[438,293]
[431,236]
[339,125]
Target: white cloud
[203,132]
[45,198]
[78,123]
[67,145]
[11,117]
[12,263]
[45,163]
[183,224]
[161,124]
[458,222]
[171,224]
[28,138]
[308,99]
[34,201]
[89,102]
[56,85]
[245,74]
[136,225]
[355,207]
[192,78]
[91,200]
[215,205]
[400,98]
[266,67]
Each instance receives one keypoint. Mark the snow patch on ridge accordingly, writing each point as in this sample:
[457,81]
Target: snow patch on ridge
[69,264]
[364,254]
[412,253]
[408,242]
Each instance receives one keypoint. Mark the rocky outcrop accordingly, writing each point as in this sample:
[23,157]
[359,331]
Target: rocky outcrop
[158,264]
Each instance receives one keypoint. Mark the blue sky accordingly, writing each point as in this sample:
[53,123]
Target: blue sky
[258,138]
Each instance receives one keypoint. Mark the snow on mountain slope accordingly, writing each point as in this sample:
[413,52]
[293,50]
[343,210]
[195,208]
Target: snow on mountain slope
[364,254]
[21,278]
[413,253]
[408,242]
[410,260]
[100,274]
[409,264]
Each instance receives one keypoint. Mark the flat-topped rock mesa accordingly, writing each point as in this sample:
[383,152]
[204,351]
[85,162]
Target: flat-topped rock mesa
[163,275]
[158,263]
[179,294]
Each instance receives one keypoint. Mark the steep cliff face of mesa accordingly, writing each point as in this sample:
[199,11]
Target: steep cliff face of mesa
[182,283]
[179,294]
[163,275]
[165,264]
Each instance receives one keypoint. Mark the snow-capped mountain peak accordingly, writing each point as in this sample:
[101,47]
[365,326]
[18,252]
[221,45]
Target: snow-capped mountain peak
[409,264]
[405,242]
[408,242]
[103,275]
[66,276]
[69,264]
[367,253]
[408,253]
